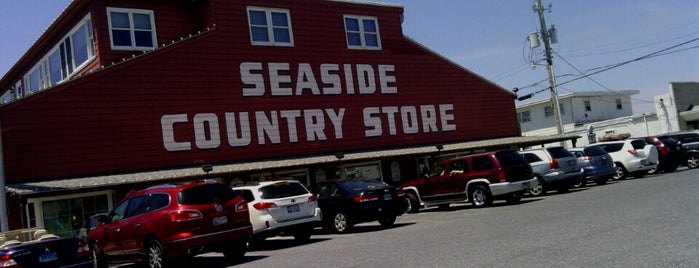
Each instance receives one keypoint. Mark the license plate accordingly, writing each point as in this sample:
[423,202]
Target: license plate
[48,257]
[387,197]
[220,220]
[293,208]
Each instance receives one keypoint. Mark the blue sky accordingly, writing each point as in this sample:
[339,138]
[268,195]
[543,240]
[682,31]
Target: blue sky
[488,37]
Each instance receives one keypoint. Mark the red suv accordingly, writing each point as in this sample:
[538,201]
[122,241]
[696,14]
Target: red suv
[478,178]
[162,223]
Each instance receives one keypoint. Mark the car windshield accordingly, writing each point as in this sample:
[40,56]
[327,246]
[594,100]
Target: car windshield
[594,151]
[559,152]
[206,194]
[361,185]
[282,189]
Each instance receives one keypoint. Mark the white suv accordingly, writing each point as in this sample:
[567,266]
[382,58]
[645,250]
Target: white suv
[632,156]
[282,207]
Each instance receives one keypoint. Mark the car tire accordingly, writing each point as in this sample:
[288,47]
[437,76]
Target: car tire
[620,172]
[340,223]
[582,182]
[539,189]
[97,257]
[155,254]
[480,196]
[387,221]
[693,161]
[235,250]
[514,198]
[671,168]
[413,203]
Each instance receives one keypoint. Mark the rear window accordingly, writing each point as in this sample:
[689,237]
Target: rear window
[594,151]
[612,147]
[638,144]
[206,194]
[559,152]
[687,138]
[361,185]
[509,158]
[283,189]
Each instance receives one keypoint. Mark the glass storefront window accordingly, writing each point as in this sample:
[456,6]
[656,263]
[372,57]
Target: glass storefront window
[67,217]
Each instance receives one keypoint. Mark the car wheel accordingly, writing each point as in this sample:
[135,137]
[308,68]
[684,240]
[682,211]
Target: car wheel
[97,257]
[387,221]
[481,196]
[582,182]
[303,236]
[693,161]
[340,223]
[539,189]
[235,250]
[514,198]
[155,254]
[413,203]
[620,172]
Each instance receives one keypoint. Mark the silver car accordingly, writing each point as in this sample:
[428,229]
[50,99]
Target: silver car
[554,167]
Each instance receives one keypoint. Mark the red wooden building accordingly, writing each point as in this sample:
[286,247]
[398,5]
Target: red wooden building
[118,95]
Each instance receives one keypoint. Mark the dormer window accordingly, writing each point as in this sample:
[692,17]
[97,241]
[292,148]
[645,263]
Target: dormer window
[362,32]
[270,27]
[131,29]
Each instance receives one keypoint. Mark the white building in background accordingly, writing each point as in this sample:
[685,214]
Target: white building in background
[598,112]
[678,110]
[604,112]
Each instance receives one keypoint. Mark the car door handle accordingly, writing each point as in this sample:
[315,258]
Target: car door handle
[137,225]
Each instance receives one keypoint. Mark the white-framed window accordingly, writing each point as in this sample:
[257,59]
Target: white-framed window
[362,32]
[619,106]
[70,55]
[270,27]
[68,215]
[526,116]
[370,170]
[131,29]
[548,111]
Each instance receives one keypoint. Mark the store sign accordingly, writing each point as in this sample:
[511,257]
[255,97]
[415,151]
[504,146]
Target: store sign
[318,124]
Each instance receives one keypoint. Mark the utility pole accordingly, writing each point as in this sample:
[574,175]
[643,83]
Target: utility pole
[546,36]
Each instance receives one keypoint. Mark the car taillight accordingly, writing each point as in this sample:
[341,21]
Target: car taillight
[241,206]
[664,150]
[553,164]
[264,205]
[83,250]
[400,192]
[312,198]
[365,198]
[185,215]
[633,152]
[7,261]
[588,159]
[502,176]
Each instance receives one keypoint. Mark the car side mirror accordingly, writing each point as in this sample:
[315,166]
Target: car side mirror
[102,218]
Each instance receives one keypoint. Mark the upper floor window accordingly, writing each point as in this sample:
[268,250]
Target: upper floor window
[548,111]
[131,29]
[71,54]
[588,106]
[362,32]
[525,117]
[618,104]
[270,27]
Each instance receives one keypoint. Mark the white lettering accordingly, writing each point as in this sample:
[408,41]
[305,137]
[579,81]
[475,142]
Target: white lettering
[446,114]
[429,119]
[365,78]
[328,74]
[384,79]
[204,123]
[408,116]
[252,79]
[372,122]
[167,124]
[235,138]
[306,80]
[336,119]
[315,125]
[276,79]
[268,126]
[290,117]
[391,112]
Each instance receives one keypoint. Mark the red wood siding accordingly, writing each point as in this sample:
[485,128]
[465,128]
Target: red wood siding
[111,121]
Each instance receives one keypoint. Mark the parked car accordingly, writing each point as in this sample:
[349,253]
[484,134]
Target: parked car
[690,144]
[554,167]
[479,178]
[163,223]
[669,153]
[346,202]
[597,165]
[283,207]
[631,157]
[35,247]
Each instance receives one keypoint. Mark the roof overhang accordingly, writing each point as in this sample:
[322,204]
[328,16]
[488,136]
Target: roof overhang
[691,115]
[162,176]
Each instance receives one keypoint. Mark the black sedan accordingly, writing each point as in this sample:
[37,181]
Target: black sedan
[347,202]
[37,248]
